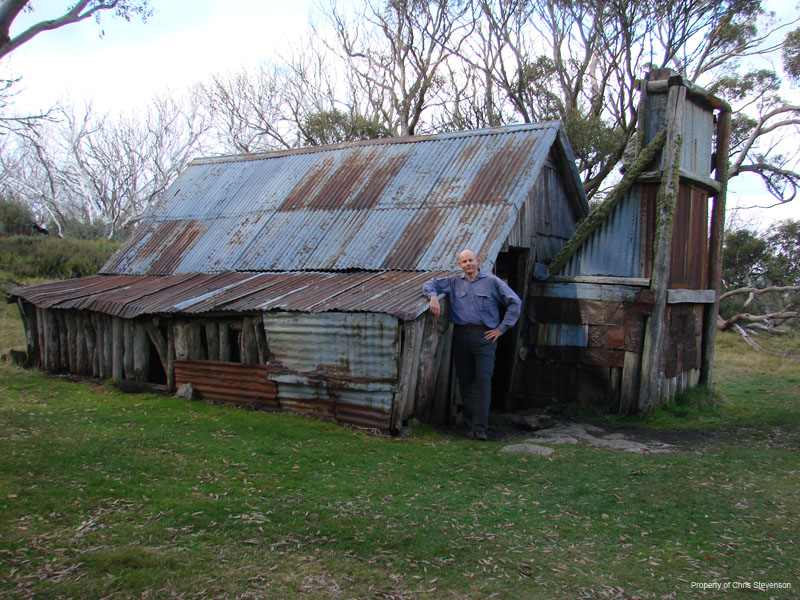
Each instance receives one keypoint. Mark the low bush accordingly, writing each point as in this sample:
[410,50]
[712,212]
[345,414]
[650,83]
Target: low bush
[23,257]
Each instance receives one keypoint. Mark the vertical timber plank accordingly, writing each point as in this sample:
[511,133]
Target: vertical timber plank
[117,348]
[129,361]
[655,332]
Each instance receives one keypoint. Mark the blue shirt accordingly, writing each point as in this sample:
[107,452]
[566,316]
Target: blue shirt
[477,302]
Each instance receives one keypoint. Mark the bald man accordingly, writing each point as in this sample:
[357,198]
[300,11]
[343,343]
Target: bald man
[482,308]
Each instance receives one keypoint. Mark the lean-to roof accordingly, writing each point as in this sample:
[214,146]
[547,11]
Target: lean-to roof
[393,293]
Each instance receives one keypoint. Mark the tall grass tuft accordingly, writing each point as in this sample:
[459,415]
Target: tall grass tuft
[23,257]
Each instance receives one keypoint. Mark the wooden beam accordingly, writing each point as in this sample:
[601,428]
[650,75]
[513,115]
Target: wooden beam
[82,350]
[117,348]
[655,338]
[715,247]
[128,359]
[141,351]
[691,296]
[600,279]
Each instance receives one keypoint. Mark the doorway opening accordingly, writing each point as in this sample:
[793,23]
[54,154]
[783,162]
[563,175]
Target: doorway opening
[511,267]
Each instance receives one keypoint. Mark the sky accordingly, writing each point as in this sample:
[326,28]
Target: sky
[187,41]
[184,42]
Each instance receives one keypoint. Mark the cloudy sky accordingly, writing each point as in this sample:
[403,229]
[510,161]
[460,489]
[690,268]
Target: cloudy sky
[186,41]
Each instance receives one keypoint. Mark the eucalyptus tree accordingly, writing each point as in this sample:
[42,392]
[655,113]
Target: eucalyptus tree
[396,54]
[100,170]
[70,13]
[580,61]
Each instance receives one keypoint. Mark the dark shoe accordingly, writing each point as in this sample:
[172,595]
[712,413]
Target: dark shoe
[480,435]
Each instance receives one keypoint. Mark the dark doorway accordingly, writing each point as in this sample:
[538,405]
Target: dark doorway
[511,267]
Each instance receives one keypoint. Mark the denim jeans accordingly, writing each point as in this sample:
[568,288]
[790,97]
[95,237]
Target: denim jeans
[474,361]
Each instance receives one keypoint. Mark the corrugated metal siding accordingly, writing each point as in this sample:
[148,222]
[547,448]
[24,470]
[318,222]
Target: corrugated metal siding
[394,293]
[698,139]
[403,204]
[352,346]
[613,248]
[358,350]
[698,133]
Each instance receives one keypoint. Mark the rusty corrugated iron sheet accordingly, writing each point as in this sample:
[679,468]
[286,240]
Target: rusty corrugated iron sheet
[228,382]
[395,293]
[392,204]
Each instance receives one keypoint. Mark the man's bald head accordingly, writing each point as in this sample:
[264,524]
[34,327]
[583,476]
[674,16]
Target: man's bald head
[468,263]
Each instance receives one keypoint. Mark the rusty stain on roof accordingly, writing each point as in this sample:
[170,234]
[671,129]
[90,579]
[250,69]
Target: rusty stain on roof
[394,293]
[400,203]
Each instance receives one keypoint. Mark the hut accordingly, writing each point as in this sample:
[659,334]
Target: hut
[625,317]
[292,279]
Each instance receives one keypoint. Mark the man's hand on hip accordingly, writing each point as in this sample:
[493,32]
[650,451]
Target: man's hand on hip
[492,335]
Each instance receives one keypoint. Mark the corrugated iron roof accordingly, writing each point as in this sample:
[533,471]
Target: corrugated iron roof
[397,293]
[391,204]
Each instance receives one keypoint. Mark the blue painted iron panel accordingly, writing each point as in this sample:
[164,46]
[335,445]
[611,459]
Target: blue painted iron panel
[613,248]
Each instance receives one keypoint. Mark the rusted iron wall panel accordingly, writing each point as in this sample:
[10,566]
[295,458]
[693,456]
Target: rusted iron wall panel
[348,345]
[689,252]
[228,382]
[337,365]
[698,132]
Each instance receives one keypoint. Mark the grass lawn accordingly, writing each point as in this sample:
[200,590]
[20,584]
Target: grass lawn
[108,495]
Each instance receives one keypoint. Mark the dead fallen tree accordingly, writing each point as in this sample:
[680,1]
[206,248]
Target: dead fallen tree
[746,324]
[724,324]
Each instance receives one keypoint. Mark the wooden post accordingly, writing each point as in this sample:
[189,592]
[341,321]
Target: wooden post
[117,348]
[249,349]
[81,347]
[128,356]
[710,311]
[655,337]
[224,342]
[52,340]
[90,333]
[108,346]
[63,341]
[27,312]
[141,351]
[180,333]
[170,366]
[71,321]
[194,346]
[409,357]
[261,340]
[40,335]
[212,337]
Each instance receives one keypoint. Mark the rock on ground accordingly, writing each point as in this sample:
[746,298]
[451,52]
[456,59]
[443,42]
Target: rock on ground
[591,435]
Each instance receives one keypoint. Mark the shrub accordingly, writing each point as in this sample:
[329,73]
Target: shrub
[53,258]
[15,218]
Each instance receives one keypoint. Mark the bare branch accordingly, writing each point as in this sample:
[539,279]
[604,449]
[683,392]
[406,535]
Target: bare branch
[755,290]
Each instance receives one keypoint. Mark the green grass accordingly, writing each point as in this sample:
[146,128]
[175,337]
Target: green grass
[107,495]
[27,257]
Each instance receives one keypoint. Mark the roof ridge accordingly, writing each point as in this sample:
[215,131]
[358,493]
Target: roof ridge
[411,139]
